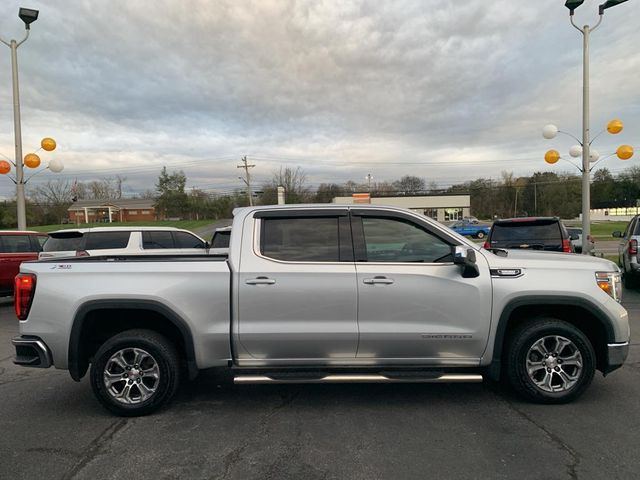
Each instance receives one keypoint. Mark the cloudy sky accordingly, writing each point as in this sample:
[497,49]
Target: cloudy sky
[445,90]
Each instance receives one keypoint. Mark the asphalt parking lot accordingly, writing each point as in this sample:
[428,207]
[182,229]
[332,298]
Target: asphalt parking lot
[52,427]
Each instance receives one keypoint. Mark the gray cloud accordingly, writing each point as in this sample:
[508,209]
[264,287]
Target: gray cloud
[445,90]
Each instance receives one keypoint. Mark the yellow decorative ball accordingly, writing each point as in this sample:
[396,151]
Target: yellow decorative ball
[552,156]
[615,126]
[32,160]
[5,167]
[48,144]
[624,152]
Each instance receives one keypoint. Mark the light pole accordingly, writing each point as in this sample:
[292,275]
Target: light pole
[586,142]
[28,16]
[30,160]
[623,152]
[368,178]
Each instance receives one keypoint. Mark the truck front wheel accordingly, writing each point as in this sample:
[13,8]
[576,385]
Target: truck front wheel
[550,361]
[480,234]
[135,372]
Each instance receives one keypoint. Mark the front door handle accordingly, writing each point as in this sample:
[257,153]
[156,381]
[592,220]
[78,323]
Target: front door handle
[378,281]
[260,281]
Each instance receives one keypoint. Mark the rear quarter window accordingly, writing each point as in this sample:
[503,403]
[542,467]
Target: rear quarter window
[15,244]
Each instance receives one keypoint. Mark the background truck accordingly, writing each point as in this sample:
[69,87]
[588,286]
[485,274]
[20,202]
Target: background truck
[471,228]
[321,293]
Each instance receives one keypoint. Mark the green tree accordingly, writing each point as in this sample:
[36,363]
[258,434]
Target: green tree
[172,201]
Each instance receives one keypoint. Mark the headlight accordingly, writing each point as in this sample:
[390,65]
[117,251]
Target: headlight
[610,282]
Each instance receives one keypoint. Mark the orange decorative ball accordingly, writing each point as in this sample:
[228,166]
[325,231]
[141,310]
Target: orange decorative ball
[552,156]
[32,160]
[5,167]
[48,144]
[624,152]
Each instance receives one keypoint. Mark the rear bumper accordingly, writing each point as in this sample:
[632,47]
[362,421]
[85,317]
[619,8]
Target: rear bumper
[616,355]
[31,352]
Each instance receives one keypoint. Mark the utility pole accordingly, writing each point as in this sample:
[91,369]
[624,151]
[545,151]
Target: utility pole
[247,178]
[369,177]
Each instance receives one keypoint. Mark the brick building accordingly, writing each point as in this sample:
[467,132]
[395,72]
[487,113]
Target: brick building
[107,211]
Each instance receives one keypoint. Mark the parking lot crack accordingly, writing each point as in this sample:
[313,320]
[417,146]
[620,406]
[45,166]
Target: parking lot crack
[232,458]
[95,448]
[572,467]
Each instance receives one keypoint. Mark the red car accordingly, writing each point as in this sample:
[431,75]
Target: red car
[16,247]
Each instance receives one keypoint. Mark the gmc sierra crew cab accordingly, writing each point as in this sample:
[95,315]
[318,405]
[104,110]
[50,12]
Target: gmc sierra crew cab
[318,293]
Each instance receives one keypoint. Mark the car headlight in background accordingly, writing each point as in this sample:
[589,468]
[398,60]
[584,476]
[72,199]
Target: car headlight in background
[610,283]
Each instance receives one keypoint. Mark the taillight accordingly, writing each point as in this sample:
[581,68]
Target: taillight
[82,253]
[566,245]
[633,246]
[486,245]
[24,288]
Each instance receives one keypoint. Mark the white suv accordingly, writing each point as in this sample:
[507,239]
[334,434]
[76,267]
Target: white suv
[122,241]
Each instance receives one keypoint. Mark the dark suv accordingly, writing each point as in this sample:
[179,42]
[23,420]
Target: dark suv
[535,233]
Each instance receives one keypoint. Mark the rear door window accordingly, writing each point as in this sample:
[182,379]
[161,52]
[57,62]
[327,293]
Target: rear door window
[301,239]
[157,240]
[107,240]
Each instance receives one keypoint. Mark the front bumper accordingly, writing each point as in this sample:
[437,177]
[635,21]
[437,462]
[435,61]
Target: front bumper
[31,352]
[616,355]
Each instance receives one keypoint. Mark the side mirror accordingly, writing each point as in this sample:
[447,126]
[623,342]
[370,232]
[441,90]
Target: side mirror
[574,236]
[617,234]
[207,245]
[466,257]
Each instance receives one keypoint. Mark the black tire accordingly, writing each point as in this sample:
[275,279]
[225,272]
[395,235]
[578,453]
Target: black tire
[480,235]
[524,346]
[161,362]
[630,280]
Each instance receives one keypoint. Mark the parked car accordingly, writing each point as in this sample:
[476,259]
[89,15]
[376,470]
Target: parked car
[472,229]
[575,235]
[628,252]
[16,247]
[534,233]
[220,241]
[122,241]
[325,294]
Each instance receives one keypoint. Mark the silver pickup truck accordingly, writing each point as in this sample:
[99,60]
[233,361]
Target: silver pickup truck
[318,293]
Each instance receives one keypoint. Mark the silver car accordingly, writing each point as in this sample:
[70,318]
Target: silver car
[628,252]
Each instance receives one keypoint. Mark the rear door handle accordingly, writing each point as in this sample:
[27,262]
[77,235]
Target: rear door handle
[260,281]
[378,281]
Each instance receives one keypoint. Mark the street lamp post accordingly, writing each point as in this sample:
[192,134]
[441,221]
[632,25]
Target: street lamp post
[589,160]
[586,142]
[28,16]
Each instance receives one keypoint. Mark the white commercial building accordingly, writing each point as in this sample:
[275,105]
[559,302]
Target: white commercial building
[443,208]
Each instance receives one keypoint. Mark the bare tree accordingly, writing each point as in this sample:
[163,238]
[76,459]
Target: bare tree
[293,182]
[54,196]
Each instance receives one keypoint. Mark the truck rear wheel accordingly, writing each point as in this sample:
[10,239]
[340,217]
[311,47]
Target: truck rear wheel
[480,234]
[550,361]
[135,372]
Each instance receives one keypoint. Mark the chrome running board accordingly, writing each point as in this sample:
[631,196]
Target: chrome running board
[360,378]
